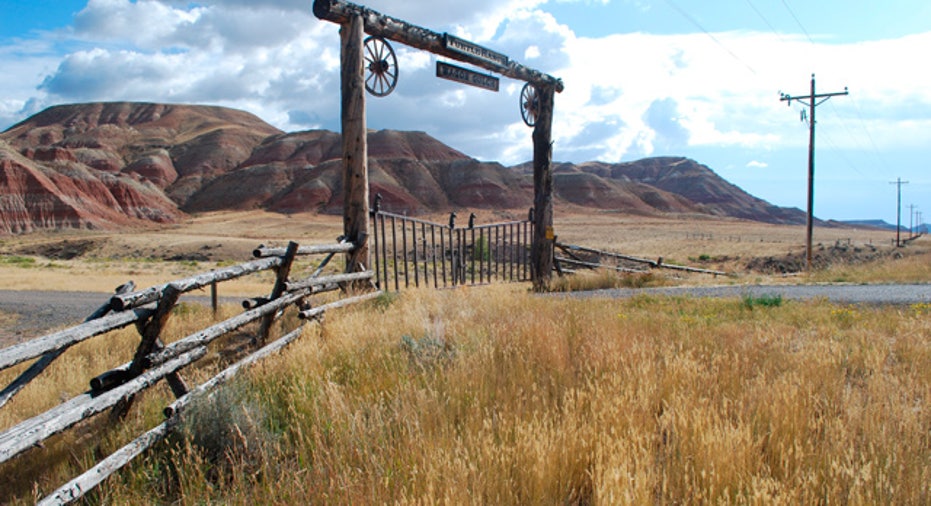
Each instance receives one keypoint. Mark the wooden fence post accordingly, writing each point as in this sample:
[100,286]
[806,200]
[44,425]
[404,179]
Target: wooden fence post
[150,342]
[355,144]
[281,279]
[543,234]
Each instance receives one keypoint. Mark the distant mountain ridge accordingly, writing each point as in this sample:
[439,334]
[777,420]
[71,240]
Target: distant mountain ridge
[117,164]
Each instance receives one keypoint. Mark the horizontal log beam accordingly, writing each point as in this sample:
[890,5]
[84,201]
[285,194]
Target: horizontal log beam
[24,435]
[208,335]
[315,283]
[64,338]
[343,247]
[134,299]
[592,265]
[380,25]
[76,488]
[227,374]
[652,263]
[317,311]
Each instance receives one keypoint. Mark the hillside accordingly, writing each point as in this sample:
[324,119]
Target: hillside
[113,165]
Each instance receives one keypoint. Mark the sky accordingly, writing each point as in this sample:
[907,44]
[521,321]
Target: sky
[694,78]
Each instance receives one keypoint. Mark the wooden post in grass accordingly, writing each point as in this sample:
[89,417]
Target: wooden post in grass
[355,144]
[543,234]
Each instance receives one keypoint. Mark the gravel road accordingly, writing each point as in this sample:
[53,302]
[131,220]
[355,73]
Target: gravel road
[38,312]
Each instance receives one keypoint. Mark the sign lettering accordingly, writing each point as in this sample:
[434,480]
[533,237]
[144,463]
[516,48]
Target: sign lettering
[463,46]
[466,76]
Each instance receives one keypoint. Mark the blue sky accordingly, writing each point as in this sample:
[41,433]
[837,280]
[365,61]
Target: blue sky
[643,78]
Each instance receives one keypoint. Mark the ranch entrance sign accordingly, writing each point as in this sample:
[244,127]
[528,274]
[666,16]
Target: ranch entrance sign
[370,64]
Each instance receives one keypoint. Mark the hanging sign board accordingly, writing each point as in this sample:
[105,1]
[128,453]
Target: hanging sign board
[466,76]
[463,46]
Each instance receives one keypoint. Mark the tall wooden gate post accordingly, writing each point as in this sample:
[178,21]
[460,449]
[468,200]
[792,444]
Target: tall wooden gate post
[542,250]
[355,144]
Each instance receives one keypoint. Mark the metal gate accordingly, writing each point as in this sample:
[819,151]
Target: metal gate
[409,251]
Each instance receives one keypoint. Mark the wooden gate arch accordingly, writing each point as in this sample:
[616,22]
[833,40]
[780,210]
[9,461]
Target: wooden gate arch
[537,103]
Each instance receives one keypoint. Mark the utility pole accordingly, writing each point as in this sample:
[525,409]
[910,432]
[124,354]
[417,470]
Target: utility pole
[911,220]
[812,102]
[898,214]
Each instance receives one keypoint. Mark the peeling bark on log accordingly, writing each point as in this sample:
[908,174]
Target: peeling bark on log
[338,11]
[317,311]
[40,365]
[62,339]
[150,342]
[76,488]
[34,430]
[206,336]
[591,265]
[317,283]
[281,278]
[120,302]
[343,247]
[652,263]
[541,264]
[354,143]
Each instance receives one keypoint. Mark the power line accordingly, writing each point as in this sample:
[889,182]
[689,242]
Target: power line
[695,22]
[765,20]
[797,21]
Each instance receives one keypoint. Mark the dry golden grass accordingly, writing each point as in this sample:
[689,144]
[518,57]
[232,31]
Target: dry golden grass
[493,395]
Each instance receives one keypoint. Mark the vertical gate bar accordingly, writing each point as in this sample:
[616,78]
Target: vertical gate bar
[495,254]
[436,281]
[377,250]
[527,239]
[453,256]
[463,261]
[511,252]
[460,269]
[414,244]
[522,266]
[472,260]
[524,251]
[481,257]
[394,247]
[407,281]
[384,252]
[443,253]
[426,262]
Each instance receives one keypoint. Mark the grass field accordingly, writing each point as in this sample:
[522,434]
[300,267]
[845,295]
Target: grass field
[496,395]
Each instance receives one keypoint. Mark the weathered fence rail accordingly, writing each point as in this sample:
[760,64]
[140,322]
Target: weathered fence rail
[153,361]
[595,257]
[410,251]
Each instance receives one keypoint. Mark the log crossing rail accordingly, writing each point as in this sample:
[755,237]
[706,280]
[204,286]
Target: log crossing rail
[153,361]
[593,259]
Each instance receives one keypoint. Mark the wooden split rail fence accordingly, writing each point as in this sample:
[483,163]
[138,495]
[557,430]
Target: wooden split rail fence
[590,258]
[153,360]
[409,251]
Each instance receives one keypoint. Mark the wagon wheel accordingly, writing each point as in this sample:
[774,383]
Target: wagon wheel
[529,104]
[382,67]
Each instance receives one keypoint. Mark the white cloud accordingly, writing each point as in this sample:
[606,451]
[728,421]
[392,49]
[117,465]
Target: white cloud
[755,164]
[626,95]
